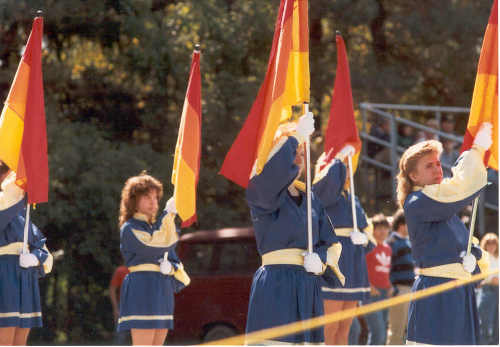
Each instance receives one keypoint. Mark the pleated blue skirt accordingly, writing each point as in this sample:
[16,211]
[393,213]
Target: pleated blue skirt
[352,264]
[448,318]
[283,294]
[19,294]
[146,301]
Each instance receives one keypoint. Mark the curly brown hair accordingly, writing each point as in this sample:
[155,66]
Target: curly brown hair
[134,188]
[408,163]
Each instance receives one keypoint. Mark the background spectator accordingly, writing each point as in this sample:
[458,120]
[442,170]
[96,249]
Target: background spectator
[488,295]
[406,137]
[448,157]
[378,262]
[402,276]
[427,135]
[448,124]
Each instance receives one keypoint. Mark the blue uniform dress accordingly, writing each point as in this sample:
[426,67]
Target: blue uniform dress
[438,237]
[284,293]
[328,187]
[147,295]
[19,292]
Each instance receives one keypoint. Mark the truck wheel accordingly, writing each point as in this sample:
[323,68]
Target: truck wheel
[217,332]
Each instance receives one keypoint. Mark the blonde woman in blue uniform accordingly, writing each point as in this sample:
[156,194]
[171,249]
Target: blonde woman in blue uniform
[156,273]
[287,287]
[20,306]
[331,187]
[439,238]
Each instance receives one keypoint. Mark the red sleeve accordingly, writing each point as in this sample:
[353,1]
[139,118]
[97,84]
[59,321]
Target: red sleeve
[118,276]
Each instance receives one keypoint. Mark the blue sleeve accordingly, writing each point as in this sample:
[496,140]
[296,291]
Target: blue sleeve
[329,187]
[425,209]
[36,241]
[268,189]
[7,215]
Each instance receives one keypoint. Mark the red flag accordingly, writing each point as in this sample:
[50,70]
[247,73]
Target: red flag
[186,166]
[23,135]
[342,128]
[484,106]
[286,84]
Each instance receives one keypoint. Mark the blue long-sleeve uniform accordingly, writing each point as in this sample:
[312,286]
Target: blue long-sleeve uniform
[438,237]
[285,293]
[329,188]
[19,291]
[145,291]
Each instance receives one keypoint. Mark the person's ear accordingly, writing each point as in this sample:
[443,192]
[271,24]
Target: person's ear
[413,177]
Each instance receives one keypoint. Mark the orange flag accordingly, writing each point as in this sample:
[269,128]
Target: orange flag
[23,135]
[342,128]
[286,84]
[484,106]
[186,166]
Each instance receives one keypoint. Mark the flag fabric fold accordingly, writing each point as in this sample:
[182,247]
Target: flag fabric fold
[286,83]
[341,129]
[484,107]
[23,134]
[186,168]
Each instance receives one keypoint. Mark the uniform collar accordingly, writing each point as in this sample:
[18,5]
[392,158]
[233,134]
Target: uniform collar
[417,188]
[143,217]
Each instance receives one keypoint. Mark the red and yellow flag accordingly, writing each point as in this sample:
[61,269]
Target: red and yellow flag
[342,128]
[23,135]
[186,166]
[286,84]
[484,106]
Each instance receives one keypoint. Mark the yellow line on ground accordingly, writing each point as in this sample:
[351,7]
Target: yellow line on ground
[292,328]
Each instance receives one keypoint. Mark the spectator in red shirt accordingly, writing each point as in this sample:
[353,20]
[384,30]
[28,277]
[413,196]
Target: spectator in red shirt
[378,262]
[121,337]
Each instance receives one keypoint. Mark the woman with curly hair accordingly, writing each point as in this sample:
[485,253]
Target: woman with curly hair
[156,273]
[439,238]
[20,305]
[488,294]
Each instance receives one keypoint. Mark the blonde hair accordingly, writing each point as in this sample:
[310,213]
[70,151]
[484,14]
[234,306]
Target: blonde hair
[134,188]
[408,163]
[488,238]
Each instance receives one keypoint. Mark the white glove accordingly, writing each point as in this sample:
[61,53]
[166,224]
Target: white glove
[358,238]
[28,260]
[312,263]
[170,206]
[483,136]
[165,265]
[469,262]
[346,151]
[305,126]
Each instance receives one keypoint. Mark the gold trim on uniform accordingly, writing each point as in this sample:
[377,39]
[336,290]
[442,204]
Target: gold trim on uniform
[332,259]
[179,274]
[137,317]
[277,343]
[287,256]
[14,248]
[49,262]
[454,271]
[166,236]
[345,290]
[20,315]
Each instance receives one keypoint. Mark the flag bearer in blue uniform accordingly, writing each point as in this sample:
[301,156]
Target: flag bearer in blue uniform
[439,239]
[331,188]
[287,287]
[20,307]
[156,273]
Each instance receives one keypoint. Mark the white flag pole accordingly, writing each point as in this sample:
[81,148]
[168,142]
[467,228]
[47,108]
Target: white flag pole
[308,187]
[472,224]
[353,204]
[26,227]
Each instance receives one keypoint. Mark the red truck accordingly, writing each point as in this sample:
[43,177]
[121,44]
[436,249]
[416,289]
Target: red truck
[221,264]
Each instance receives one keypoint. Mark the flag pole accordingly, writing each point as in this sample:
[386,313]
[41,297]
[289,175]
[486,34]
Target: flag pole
[308,187]
[353,204]
[26,227]
[472,224]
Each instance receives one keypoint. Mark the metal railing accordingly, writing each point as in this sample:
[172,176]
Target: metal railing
[386,112]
